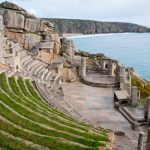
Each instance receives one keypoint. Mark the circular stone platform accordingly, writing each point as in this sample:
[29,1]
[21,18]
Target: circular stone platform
[98,80]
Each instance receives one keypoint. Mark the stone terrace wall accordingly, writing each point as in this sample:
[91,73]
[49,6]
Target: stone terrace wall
[25,28]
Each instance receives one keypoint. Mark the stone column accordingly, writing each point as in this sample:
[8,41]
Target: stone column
[103,65]
[134,96]
[83,68]
[122,77]
[148,140]
[148,111]
[147,108]
[111,68]
[140,141]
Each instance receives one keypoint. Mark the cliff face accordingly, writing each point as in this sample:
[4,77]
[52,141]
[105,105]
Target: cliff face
[93,27]
[25,28]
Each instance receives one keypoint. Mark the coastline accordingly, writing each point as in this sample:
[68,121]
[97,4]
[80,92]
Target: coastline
[131,54]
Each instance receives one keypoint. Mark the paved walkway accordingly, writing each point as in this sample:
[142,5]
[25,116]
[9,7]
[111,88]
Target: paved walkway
[96,104]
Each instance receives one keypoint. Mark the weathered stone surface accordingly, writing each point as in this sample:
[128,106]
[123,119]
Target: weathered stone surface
[68,47]
[32,25]
[15,36]
[13,19]
[56,43]
[55,38]
[140,141]
[10,5]
[148,140]
[31,40]
[1,24]
[25,28]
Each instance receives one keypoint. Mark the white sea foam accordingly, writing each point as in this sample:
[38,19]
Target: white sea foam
[87,36]
[93,35]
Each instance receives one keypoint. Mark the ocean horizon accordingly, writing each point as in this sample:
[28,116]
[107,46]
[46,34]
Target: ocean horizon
[131,49]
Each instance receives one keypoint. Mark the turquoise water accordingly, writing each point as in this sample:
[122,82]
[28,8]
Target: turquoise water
[131,49]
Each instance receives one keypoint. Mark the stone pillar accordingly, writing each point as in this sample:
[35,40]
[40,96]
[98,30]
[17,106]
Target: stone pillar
[147,107]
[122,77]
[148,112]
[111,68]
[103,65]
[148,140]
[134,96]
[83,68]
[140,141]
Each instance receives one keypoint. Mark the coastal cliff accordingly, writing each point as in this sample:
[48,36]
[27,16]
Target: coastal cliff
[93,27]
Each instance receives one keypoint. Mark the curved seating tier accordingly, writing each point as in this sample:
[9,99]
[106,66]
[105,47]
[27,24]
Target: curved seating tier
[36,68]
[56,100]
[27,122]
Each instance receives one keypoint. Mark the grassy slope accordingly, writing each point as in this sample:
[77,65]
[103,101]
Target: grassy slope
[24,115]
[143,86]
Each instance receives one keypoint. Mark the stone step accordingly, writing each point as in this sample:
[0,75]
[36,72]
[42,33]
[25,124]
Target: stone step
[40,73]
[27,63]
[134,124]
[34,68]
[45,73]
[48,77]
[30,66]
[25,58]
[37,70]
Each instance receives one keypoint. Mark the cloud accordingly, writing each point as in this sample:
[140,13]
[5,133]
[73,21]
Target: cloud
[136,11]
[32,11]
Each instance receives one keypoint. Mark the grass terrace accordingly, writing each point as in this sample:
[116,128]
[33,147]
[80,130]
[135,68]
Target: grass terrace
[27,122]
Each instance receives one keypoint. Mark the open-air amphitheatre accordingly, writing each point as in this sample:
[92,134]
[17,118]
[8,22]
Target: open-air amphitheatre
[55,97]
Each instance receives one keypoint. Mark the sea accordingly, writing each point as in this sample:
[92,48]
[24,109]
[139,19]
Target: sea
[131,49]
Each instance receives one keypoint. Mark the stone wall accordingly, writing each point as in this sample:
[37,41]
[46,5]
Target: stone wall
[1,38]
[27,29]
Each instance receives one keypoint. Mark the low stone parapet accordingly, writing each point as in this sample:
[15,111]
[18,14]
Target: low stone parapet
[102,85]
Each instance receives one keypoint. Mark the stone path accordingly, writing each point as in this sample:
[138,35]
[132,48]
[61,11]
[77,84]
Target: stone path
[96,105]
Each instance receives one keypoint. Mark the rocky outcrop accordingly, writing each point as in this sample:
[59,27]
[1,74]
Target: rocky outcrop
[92,27]
[68,47]
[25,28]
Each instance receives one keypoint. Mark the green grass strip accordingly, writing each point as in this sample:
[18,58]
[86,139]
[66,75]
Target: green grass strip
[36,128]
[7,143]
[53,144]
[15,89]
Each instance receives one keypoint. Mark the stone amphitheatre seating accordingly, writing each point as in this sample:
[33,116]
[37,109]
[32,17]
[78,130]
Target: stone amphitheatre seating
[25,59]
[35,68]
[56,99]
[27,122]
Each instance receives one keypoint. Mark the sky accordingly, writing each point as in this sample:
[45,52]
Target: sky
[134,11]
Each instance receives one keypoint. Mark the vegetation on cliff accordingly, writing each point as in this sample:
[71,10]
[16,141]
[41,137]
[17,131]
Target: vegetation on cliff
[93,27]
[143,86]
